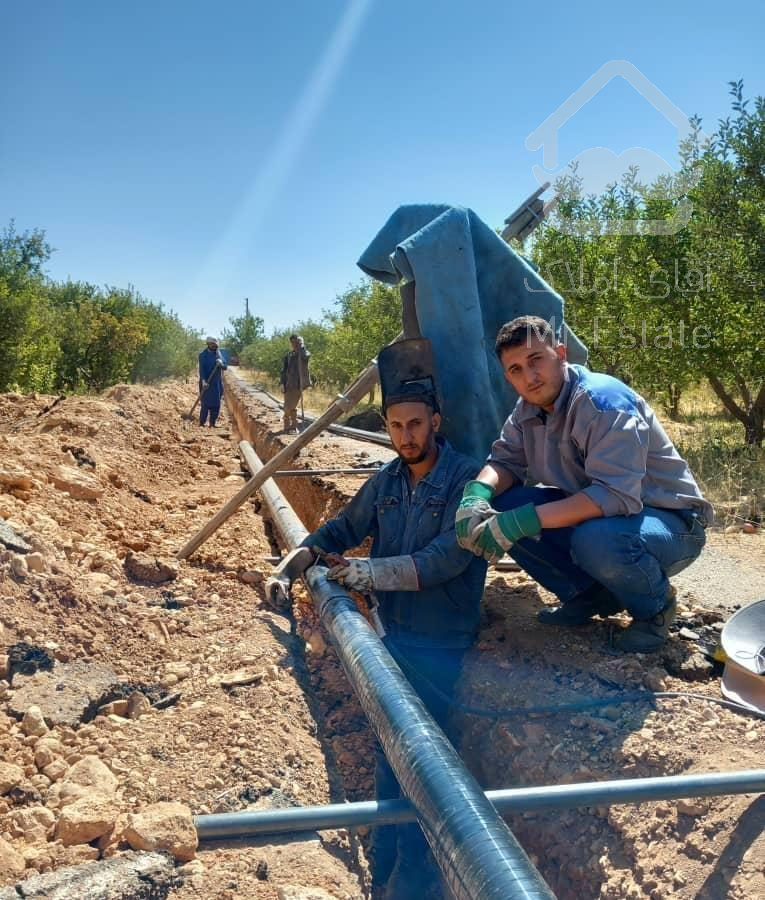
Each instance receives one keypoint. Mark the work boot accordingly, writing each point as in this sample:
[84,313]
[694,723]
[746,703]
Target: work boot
[647,635]
[595,600]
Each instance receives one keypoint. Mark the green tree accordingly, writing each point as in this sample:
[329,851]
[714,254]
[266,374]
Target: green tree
[728,233]
[244,330]
[685,305]
[28,347]
[366,318]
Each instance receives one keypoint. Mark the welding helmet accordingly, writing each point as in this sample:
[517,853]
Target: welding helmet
[407,373]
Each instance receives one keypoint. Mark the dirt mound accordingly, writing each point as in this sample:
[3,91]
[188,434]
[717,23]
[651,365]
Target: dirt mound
[96,486]
[219,703]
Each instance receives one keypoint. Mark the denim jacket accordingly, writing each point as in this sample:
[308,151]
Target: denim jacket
[420,523]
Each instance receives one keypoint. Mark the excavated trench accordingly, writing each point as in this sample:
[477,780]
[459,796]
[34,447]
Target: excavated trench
[517,670]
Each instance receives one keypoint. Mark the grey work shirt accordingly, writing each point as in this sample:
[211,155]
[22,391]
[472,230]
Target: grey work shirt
[601,439]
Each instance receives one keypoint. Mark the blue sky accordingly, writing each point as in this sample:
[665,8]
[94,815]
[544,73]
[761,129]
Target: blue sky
[206,152]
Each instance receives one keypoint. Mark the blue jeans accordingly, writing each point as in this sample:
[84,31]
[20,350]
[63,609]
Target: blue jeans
[416,874]
[632,556]
[211,409]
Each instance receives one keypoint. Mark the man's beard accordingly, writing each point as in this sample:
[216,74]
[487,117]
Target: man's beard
[414,460]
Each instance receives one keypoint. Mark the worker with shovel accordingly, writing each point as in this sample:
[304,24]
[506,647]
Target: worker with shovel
[428,590]
[211,365]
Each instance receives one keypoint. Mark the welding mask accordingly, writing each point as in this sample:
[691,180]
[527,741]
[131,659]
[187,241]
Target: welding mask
[407,373]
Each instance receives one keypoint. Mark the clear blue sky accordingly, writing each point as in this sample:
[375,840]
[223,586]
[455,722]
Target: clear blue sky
[206,152]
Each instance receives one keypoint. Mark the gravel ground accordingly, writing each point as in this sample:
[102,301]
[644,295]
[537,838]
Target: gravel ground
[729,574]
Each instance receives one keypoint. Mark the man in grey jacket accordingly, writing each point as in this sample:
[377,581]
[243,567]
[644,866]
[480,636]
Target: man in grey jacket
[295,378]
[613,509]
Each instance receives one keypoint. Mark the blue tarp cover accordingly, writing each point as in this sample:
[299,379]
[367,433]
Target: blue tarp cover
[469,282]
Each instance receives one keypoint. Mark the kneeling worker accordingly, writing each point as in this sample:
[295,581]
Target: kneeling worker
[620,511]
[428,588]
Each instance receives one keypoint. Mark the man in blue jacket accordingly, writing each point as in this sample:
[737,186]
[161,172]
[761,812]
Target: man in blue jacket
[428,589]
[211,366]
[612,511]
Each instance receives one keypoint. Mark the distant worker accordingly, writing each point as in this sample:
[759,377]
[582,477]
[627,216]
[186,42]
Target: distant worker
[614,510]
[211,366]
[428,589]
[295,378]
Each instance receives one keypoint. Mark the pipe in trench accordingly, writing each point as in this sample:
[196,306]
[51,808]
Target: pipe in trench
[477,853]
[359,434]
[525,799]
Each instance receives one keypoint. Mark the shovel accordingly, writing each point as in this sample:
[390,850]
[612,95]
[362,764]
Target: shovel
[205,385]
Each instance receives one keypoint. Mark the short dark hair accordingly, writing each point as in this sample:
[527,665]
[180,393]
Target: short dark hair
[293,337]
[522,330]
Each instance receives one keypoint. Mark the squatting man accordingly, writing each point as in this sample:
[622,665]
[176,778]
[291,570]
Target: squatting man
[428,588]
[611,510]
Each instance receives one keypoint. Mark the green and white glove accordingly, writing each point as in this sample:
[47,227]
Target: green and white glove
[493,537]
[474,508]
[389,573]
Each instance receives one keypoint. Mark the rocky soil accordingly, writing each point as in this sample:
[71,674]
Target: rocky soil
[136,691]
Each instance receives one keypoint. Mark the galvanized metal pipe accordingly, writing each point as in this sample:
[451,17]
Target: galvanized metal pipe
[359,434]
[291,473]
[512,800]
[476,851]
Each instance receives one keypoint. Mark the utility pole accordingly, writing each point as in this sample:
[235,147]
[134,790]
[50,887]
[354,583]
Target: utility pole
[246,308]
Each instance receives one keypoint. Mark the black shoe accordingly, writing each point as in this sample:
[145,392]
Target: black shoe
[647,635]
[595,601]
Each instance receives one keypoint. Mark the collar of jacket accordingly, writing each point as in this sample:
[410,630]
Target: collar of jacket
[437,474]
[528,411]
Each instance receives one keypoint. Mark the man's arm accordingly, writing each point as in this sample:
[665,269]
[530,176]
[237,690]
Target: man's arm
[571,511]
[505,467]
[349,529]
[352,526]
[443,559]
[497,478]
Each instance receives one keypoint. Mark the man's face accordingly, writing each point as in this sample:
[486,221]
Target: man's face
[412,428]
[535,370]
[295,343]
[211,345]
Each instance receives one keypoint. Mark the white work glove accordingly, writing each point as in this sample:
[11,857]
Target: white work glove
[390,573]
[291,567]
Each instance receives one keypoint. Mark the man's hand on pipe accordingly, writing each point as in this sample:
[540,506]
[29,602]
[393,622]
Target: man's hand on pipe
[291,567]
[388,573]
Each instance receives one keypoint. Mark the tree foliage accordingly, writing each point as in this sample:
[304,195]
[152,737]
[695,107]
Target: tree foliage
[73,336]
[244,330]
[365,317]
[662,310]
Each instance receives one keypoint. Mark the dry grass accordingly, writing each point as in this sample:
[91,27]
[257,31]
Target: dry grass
[315,400]
[730,473]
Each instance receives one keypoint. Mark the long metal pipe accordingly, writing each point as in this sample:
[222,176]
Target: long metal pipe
[525,799]
[476,851]
[359,434]
[341,404]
